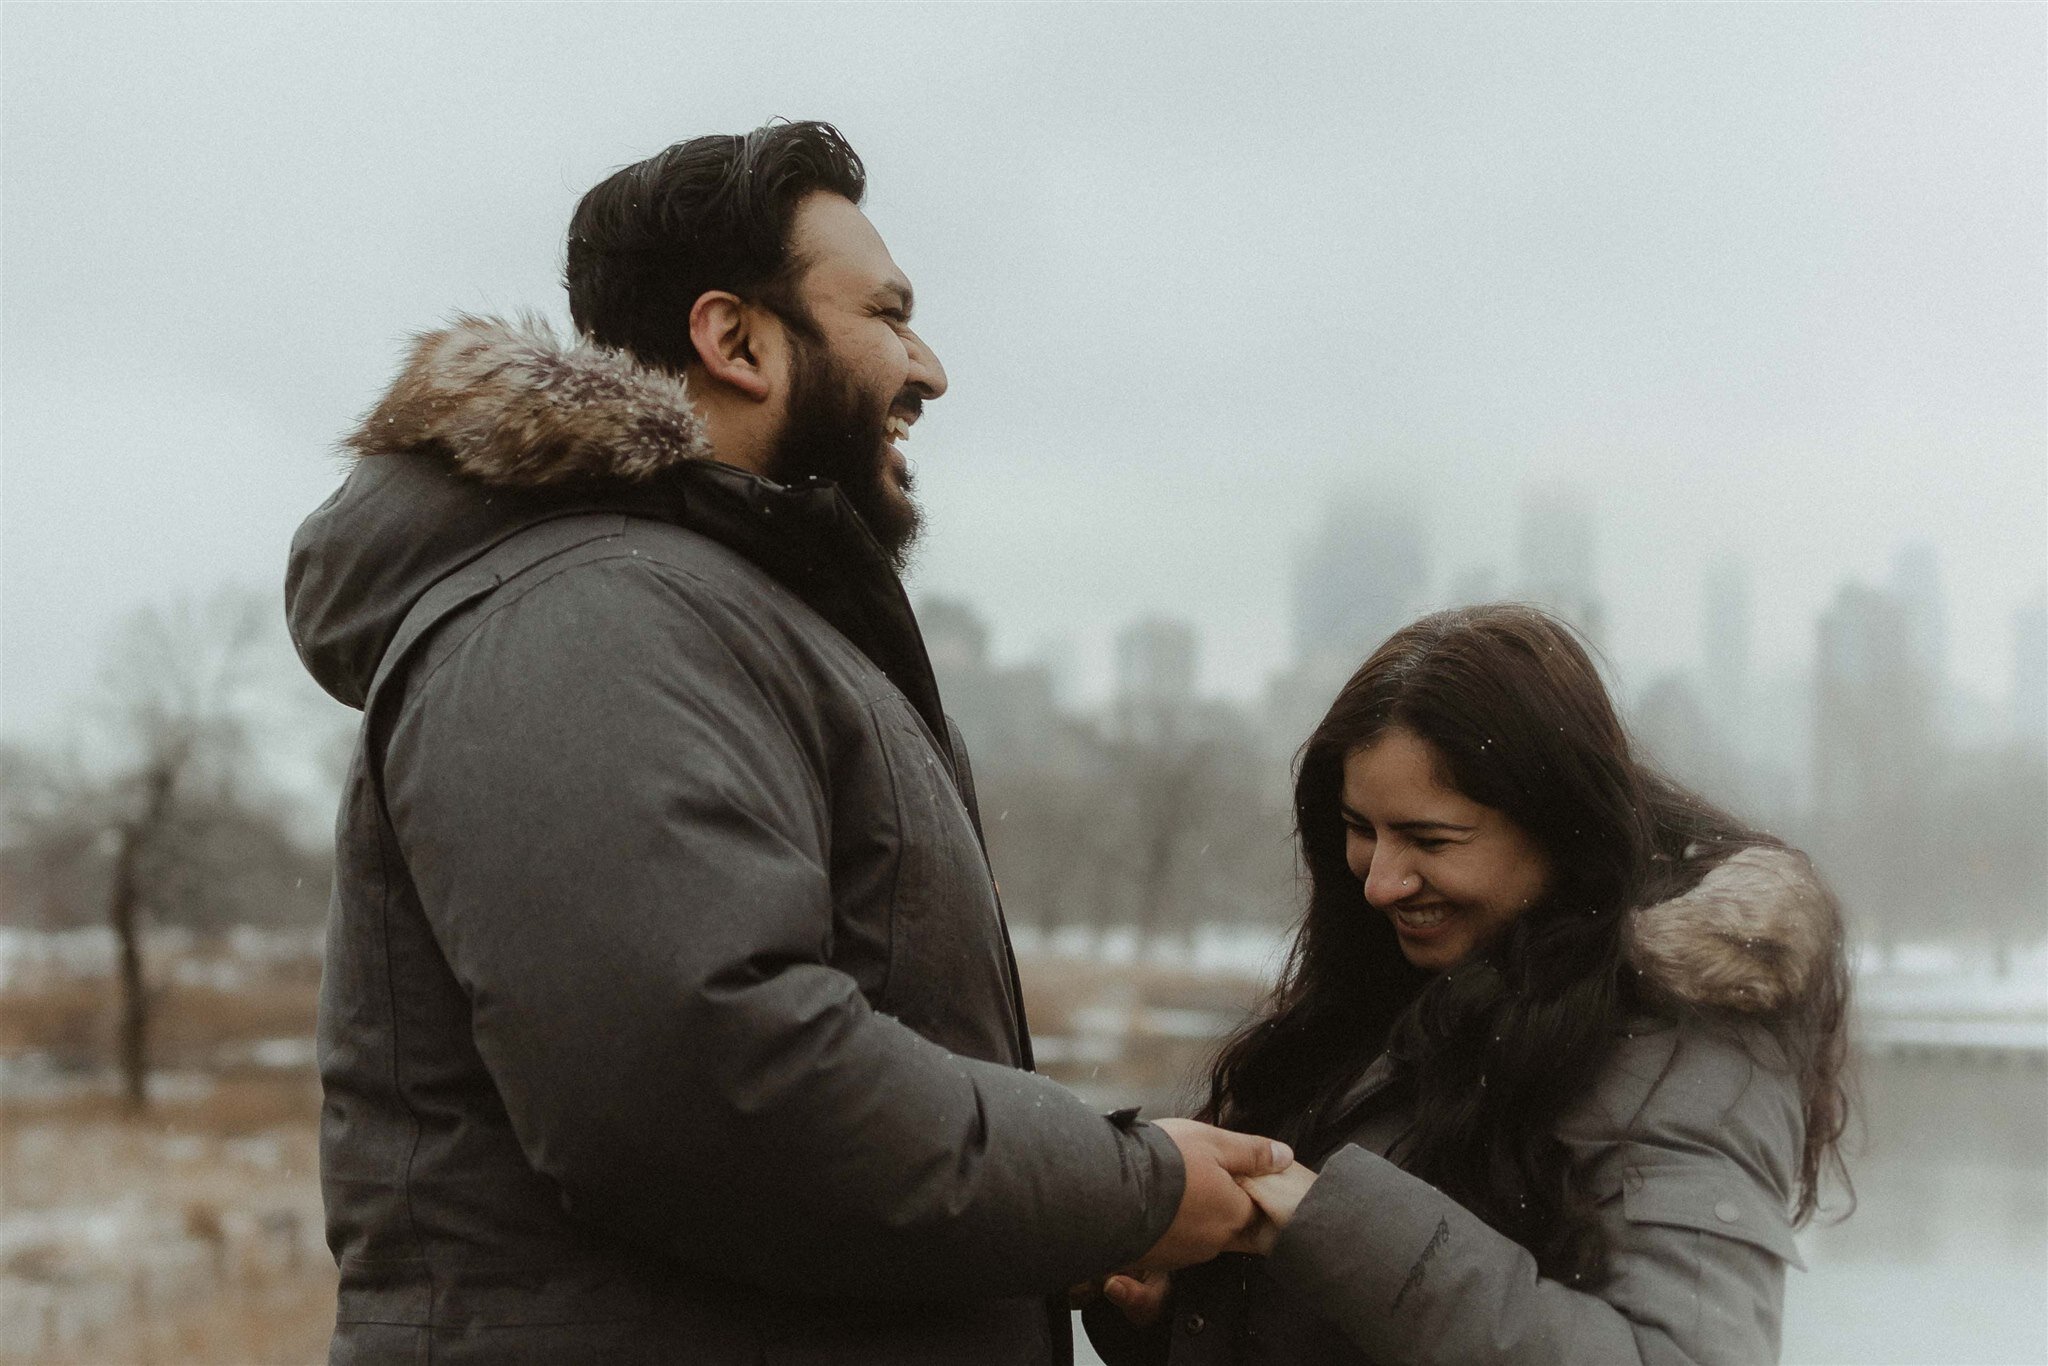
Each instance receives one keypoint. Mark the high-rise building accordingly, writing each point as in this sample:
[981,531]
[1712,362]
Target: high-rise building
[1670,725]
[955,636]
[1156,658]
[1554,557]
[1874,724]
[2030,670]
[1916,584]
[1008,715]
[1877,766]
[1725,628]
[1364,576]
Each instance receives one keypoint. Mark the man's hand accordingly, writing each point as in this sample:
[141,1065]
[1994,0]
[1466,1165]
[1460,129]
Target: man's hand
[1141,1296]
[1215,1214]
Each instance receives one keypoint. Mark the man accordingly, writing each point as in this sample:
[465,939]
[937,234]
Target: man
[668,1012]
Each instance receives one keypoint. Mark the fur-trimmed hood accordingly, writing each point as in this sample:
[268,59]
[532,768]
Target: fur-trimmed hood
[510,404]
[491,426]
[1752,937]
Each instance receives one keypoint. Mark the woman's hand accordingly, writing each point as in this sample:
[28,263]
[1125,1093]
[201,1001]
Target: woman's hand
[1141,1295]
[1276,1195]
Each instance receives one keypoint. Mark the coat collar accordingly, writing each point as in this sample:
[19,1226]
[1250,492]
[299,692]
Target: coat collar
[512,406]
[494,425]
[1753,937]
[1750,939]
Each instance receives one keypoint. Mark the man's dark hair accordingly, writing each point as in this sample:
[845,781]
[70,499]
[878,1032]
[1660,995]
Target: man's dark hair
[710,213]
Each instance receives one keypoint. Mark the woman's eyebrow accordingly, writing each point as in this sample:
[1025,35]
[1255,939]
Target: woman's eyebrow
[1405,827]
[1408,827]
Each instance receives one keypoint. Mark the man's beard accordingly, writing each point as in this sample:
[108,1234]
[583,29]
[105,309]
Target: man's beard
[835,432]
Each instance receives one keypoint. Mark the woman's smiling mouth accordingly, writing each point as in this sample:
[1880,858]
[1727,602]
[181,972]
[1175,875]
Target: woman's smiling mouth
[1421,919]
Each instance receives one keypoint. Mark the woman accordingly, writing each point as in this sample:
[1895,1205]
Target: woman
[1564,1041]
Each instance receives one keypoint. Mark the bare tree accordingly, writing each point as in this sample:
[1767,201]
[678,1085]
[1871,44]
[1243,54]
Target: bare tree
[48,838]
[1045,829]
[1171,792]
[1195,834]
[177,687]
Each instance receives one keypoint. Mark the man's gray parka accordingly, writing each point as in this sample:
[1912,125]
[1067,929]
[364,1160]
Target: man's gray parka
[668,1012]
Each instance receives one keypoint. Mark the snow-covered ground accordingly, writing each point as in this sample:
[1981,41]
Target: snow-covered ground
[1946,1258]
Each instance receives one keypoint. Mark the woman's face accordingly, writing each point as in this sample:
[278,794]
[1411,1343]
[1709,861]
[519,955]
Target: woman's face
[1447,871]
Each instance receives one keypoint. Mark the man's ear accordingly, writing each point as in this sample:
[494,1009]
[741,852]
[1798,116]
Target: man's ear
[727,336]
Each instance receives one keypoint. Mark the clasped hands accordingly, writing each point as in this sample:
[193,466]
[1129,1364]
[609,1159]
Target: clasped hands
[1241,1191]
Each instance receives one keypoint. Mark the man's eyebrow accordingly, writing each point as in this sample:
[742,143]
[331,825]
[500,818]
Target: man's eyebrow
[898,293]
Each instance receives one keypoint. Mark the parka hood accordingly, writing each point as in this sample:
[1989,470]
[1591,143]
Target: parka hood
[1752,937]
[494,426]
[490,427]
[508,404]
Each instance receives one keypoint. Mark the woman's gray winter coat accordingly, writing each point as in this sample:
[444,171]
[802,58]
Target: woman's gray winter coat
[1690,1138]
[668,1012]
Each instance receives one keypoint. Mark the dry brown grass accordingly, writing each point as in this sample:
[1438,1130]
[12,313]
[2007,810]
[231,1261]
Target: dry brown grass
[73,1018]
[1055,988]
[1156,1062]
[192,1233]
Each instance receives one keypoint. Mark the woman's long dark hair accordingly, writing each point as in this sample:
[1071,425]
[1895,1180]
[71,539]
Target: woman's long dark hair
[1497,1049]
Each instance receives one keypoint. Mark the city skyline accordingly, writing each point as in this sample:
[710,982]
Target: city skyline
[1892,631]
[1759,280]
[1925,814]
[1334,616]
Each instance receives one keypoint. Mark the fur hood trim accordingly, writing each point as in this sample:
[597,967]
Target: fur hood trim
[513,406]
[1752,937]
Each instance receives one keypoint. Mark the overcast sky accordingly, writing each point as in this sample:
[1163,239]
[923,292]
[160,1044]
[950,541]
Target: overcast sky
[1763,280]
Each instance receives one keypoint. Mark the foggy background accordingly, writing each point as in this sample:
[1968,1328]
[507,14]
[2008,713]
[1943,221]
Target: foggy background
[1718,329]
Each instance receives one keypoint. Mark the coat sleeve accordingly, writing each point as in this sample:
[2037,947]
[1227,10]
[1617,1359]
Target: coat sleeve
[1697,1235]
[616,824]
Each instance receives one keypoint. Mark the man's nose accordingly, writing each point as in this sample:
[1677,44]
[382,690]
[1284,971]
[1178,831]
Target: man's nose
[927,376]
[1388,880]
